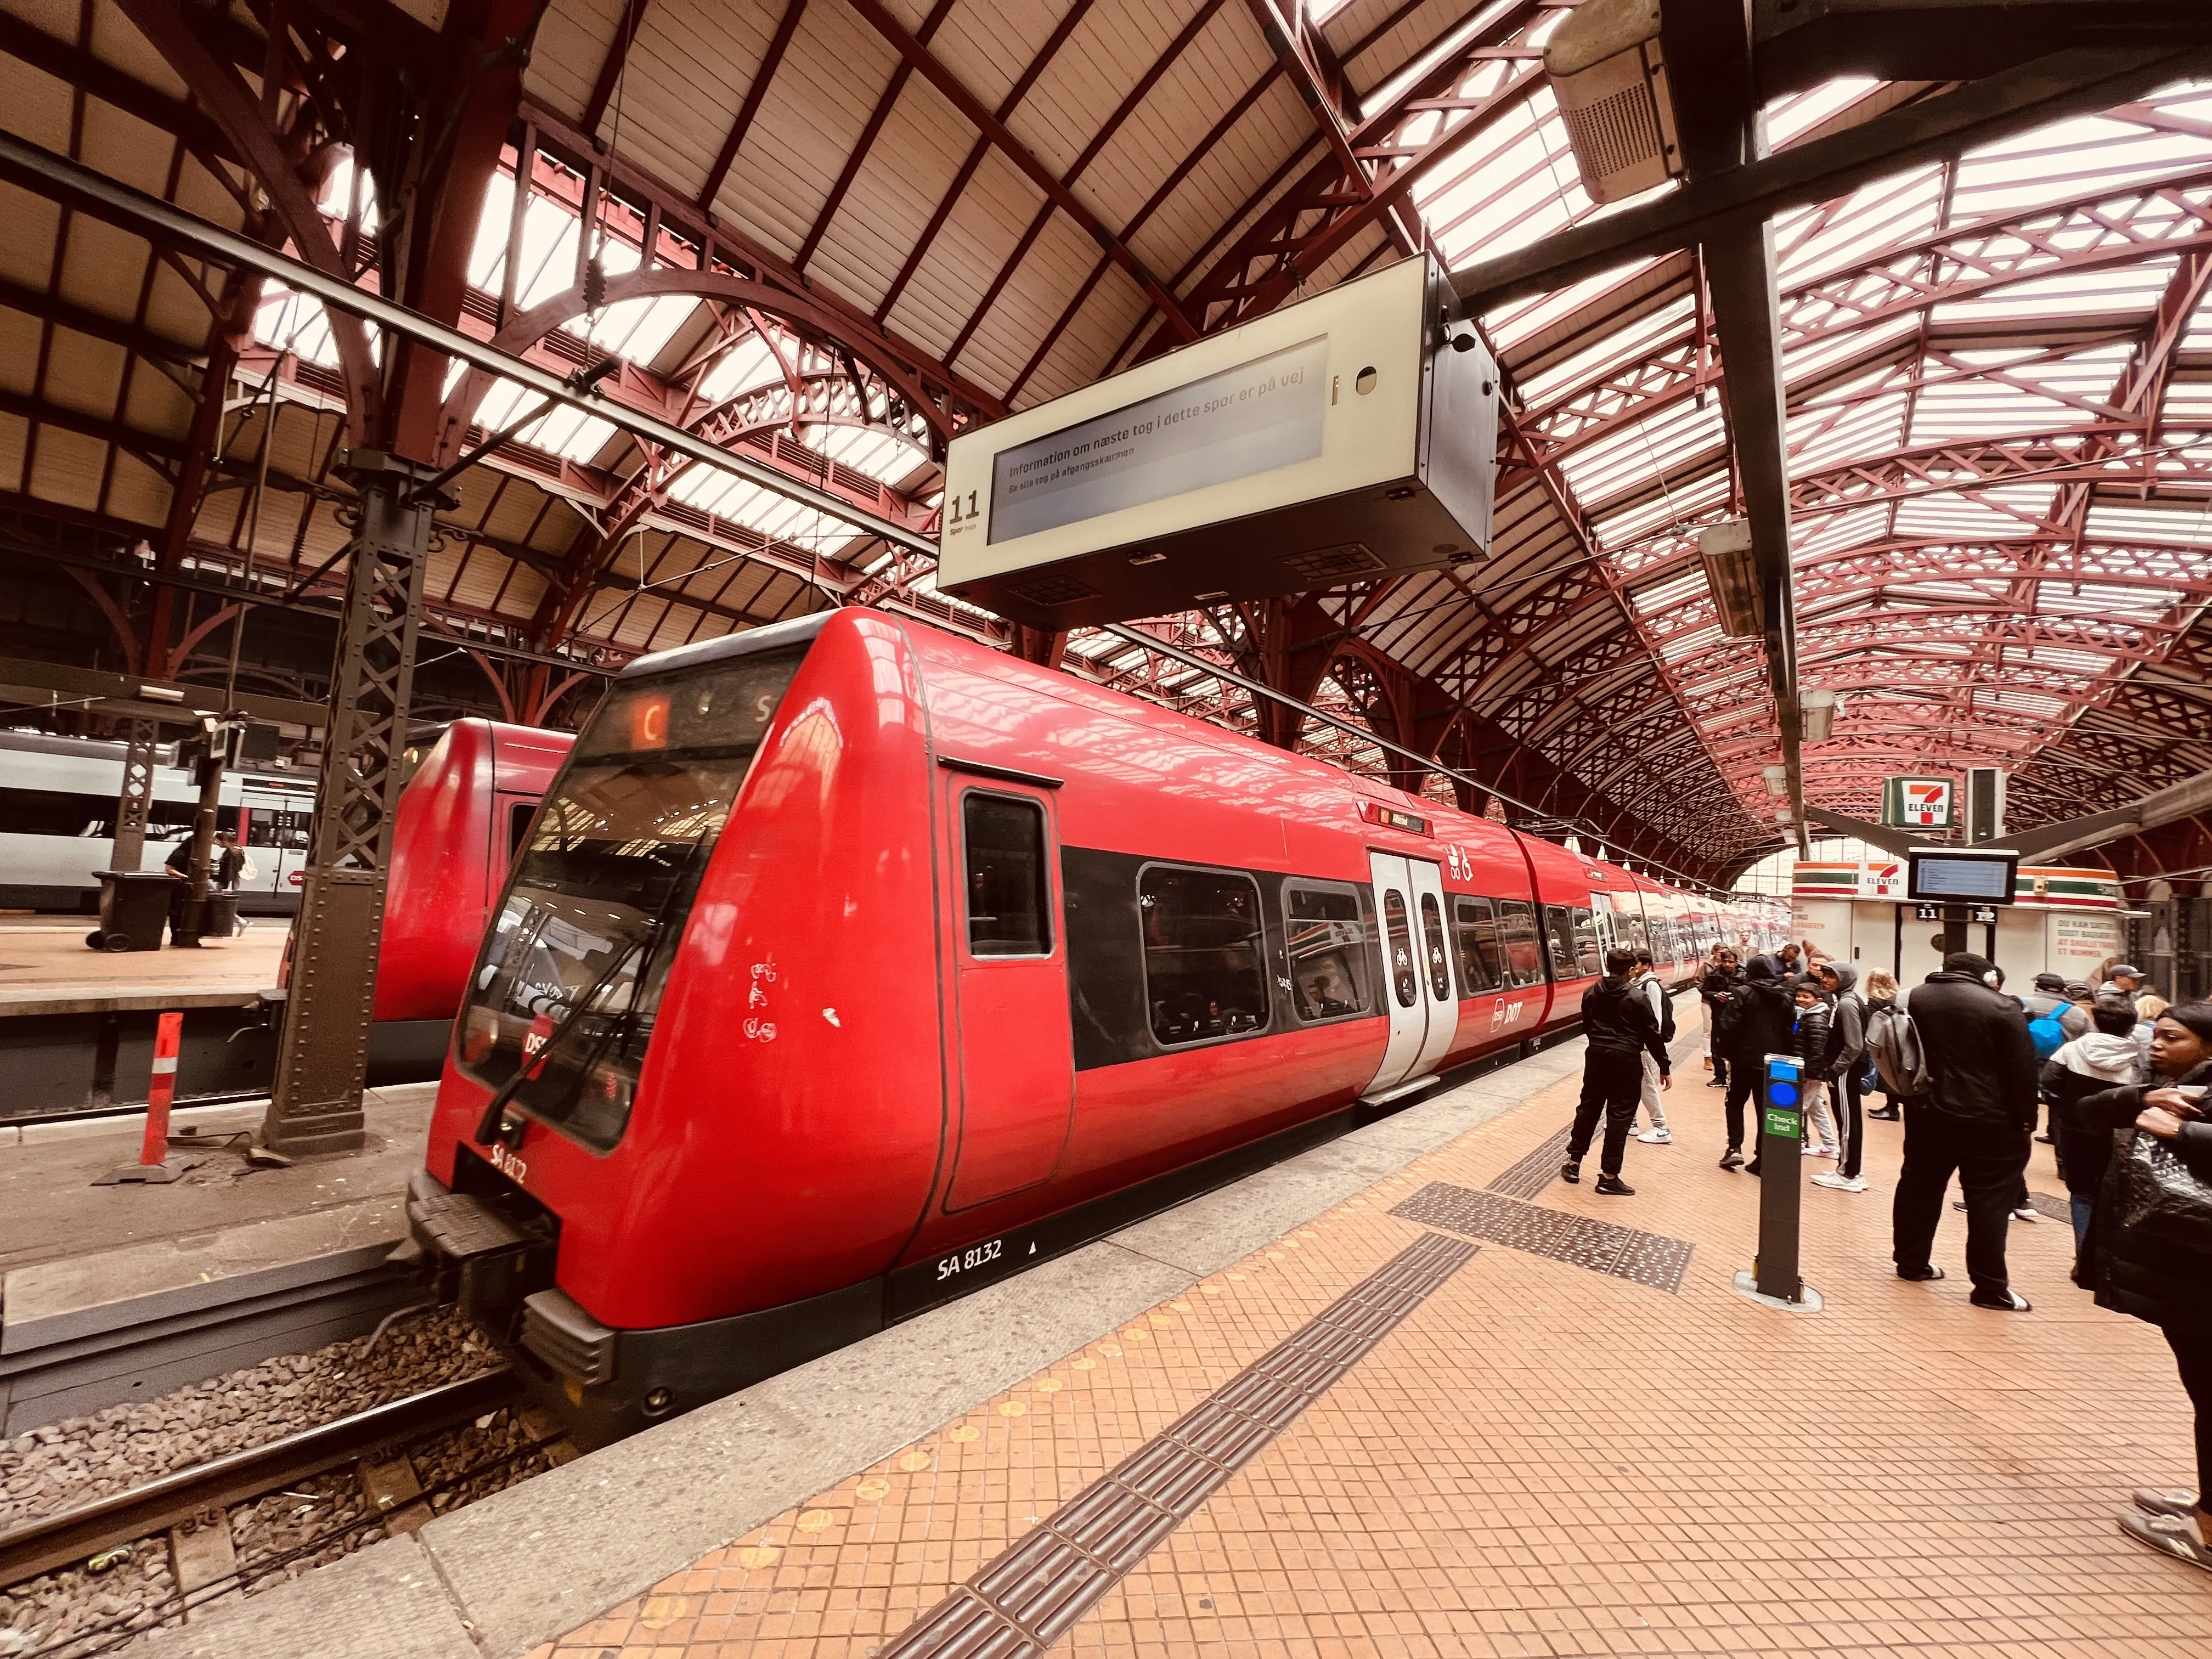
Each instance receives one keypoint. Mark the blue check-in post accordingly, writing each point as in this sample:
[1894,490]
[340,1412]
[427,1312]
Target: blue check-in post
[1775,1277]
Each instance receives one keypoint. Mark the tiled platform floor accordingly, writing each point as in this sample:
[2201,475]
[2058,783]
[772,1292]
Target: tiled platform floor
[1542,1459]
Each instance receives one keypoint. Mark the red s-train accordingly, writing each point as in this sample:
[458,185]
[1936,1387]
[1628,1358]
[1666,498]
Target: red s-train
[851,965]
[461,817]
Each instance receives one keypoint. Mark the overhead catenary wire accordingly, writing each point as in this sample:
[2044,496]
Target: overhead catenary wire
[1427,762]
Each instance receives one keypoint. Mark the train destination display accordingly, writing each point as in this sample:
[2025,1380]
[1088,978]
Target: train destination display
[1258,415]
[1349,436]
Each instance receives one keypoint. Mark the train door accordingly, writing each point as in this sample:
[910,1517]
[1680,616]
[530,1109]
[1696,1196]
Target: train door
[1416,958]
[1432,908]
[1015,1049]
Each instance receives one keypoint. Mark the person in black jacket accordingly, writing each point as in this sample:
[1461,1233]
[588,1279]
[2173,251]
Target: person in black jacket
[1839,1069]
[1765,1024]
[2156,1278]
[1717,991]
[1975,1121]
[1620,1029]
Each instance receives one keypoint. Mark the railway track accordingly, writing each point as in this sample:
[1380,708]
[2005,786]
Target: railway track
[76,1534]
[405,1467]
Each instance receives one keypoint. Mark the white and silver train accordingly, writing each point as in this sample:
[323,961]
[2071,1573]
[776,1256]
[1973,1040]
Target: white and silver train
[57,809]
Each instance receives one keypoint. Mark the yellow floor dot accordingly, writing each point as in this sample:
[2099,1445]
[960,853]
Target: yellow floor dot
[1110,1351]
[816,1521]
[1210,1289]
[966,1432]
[1180,1307]
[1050,1385]
[661,1610]
[1291,1244]
[1086,1363]
[915,1461]
[1355,1203]
[1275,1256]
[1308,1232]
[759,1555]
[1013,1408]
[1161,1319]
[1239,1278]
[1135,1334]
[872,1489]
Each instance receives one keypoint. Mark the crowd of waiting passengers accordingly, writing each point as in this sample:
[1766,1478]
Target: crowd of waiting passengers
[1969,1071]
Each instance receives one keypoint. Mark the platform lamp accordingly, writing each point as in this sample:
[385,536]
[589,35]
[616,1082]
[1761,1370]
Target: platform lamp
[1778,780]
[1817,712]
[1733,574]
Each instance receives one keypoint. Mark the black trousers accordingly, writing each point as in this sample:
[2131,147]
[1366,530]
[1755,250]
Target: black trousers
[1612,1083]
[1989,1160]
[1743,1083]
[2194,1355]
[1851,1118]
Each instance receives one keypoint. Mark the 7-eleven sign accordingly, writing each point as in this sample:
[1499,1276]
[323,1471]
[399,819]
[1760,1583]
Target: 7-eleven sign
[1918,803]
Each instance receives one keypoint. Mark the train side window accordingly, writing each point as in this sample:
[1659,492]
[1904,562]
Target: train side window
[1590,955]
[1432,931]
[1516,932]
[1474,926]
[1399,937]
[1007,889]
[1204,973]
[1558,941]
[1331,967]
[518,826]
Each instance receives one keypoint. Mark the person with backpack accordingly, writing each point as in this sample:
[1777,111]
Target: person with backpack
[2137,1265]
[1974,1120]
[1618,1024]
[1881,1005]
[2099,1059]
[2049,996]
[1764,1021]
[1840,1071]
[1662,1011]
[2046,1030]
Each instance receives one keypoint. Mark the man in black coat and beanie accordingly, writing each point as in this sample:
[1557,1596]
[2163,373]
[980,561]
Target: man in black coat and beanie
[1764,1023]
[1975,1121]
[1620,1029]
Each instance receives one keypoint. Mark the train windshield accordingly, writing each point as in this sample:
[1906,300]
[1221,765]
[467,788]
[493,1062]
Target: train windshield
[562,1007]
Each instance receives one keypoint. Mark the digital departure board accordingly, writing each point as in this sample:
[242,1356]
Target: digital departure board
[1960,875]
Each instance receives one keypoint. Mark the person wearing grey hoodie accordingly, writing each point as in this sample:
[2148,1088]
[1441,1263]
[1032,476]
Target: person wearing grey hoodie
[2104,1058]
[1846,1050]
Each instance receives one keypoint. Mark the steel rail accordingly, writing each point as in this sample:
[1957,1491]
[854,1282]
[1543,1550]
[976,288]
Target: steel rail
[57,1540]
[56,177]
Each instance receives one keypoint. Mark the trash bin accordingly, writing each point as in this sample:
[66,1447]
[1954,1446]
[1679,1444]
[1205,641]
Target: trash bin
[134,906]
[219,916]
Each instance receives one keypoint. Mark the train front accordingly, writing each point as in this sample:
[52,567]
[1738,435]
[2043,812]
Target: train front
[621,1210]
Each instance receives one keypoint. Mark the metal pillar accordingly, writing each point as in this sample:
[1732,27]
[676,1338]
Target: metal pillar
[323,1054]
[131,807]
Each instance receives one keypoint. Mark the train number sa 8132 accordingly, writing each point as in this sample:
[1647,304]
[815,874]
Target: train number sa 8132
[968,1261]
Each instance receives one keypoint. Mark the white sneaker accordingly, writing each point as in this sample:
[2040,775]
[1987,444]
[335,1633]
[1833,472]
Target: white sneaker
[1842,1183]
[1809,1150]
[2025,1213]
[1656,1138]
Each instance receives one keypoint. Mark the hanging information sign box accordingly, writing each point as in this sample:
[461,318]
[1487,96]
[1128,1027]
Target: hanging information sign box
[1347,436]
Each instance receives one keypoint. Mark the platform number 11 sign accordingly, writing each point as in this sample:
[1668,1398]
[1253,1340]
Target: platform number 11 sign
[1918,803]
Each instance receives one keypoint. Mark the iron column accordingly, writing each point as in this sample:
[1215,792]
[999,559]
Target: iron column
[323,1054]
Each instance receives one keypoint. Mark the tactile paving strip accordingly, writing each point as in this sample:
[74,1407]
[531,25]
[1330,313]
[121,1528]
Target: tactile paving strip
[1624,1252]
[1034,1593]
[1536,1171]
[2050,1208]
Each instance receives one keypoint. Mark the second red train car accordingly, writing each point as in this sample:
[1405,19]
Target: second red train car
[851,965]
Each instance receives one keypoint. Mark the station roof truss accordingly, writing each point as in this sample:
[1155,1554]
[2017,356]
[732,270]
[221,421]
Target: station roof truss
[828,234]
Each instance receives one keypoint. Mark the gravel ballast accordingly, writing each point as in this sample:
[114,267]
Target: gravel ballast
[77,1613]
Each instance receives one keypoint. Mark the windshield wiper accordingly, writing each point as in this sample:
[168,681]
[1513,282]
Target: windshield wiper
[487,1125]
